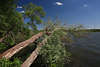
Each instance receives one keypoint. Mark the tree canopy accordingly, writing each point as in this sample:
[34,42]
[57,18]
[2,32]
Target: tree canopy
[34,13]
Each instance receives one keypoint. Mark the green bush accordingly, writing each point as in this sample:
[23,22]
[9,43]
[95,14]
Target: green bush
[7,63]
[2,47]
[54,52]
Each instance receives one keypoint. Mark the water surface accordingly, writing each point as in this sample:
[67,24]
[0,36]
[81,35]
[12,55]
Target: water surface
[86,51]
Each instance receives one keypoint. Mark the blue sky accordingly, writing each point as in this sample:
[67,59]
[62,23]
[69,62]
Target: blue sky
[86,12]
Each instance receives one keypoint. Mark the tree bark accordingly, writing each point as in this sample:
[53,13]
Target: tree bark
[33,56]
[10,52]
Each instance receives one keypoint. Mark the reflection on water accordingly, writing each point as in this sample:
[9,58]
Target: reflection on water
[86,51]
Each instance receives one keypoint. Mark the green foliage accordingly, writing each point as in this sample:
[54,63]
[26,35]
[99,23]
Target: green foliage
[13,27]
[9,41]
[54,51]
[53,65]
[2,47]
[10,19]
[34,13]
[7,63]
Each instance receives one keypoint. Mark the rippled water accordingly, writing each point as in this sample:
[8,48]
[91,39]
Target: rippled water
[86,51]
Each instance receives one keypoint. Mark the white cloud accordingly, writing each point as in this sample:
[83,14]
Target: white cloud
[59,3]
[19,7]
[85,5]
[22,11]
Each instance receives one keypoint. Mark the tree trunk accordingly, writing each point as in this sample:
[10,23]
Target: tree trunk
[33,56]
[10,52]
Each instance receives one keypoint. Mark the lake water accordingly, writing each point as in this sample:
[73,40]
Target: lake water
[86,51]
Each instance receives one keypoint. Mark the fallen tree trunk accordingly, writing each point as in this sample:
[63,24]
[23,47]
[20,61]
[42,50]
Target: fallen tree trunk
[10,52]
[33,56]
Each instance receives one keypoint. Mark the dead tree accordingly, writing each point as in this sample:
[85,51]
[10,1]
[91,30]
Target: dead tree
[10,52]
[33,56]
